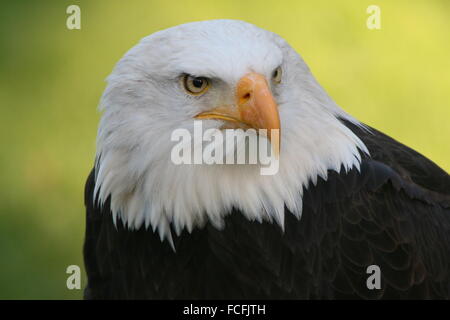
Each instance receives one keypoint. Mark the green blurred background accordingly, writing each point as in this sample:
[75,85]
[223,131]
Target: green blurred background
[396,79]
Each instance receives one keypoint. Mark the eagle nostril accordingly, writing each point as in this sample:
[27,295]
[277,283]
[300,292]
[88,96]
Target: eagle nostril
[245,97]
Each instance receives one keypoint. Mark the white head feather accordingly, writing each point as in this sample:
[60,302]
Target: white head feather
[144,102]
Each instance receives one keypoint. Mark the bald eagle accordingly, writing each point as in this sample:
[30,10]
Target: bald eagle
[345,197]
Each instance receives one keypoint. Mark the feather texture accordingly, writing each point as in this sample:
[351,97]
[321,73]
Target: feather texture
[388,214]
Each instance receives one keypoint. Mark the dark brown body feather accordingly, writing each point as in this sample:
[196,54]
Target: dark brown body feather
[395,213]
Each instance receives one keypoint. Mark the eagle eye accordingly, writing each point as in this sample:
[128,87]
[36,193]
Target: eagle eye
[276,75]
[195,85]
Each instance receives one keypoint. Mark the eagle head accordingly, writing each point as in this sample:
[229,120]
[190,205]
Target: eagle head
[225,74]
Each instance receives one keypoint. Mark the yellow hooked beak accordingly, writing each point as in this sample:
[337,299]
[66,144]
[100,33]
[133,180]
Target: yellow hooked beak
[255,107]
